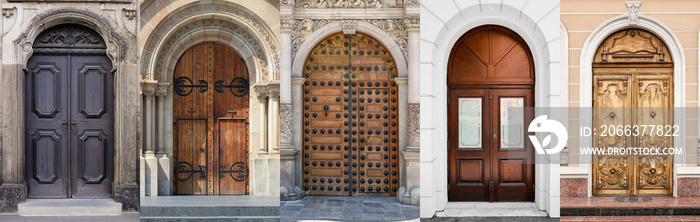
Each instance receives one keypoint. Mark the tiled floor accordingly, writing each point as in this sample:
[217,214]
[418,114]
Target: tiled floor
[340,208]
[632,218]
[641,202]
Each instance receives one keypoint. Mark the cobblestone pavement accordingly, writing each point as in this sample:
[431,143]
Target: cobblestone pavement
[341,208]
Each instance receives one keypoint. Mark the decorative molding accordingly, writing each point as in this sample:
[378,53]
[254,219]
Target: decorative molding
[411,2]
[286,130]
[8,12]
[414,123]
[349,26]
[69,37]
[286,2]
[304,28]
[258,26]
[342,4]
[162,90]
[129,13]
[633,11]
[395,28]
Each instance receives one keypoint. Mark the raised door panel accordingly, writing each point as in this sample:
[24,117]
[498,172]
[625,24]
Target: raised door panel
[612,173]
[91,127]
[46,135]
[233,167]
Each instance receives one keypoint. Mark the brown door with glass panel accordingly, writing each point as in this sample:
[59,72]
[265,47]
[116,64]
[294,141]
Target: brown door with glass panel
[350,118]
[210,103]
[631,69]
[490,81]
[69,116]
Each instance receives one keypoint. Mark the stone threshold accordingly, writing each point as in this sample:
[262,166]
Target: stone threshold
[631,218]
[523,211]
[630,206]
[69,207]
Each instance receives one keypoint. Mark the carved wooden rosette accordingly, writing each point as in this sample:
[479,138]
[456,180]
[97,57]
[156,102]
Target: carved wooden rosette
[632,69]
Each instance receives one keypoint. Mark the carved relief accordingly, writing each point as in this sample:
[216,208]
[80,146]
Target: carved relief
[653,172]
[413,124]
[396,29]
[341,4]
[286,130]
[632,45]
[304,28]
[612,172]
[69,37]
[258,26]
[633,12]
[349,26]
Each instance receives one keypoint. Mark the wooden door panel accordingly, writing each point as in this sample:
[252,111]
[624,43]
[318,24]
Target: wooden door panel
[655,98]
[91,124]
[46,133]
[233,169]
[350,142]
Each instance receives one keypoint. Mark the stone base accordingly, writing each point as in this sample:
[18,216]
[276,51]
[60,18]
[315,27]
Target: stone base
[69,207]
[128,195]
[12,195]
[408,197]
[573,187]
[688,187]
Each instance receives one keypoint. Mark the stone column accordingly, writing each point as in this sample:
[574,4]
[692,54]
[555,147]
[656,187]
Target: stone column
[164,169]
[273,139]
[411,155]
[287,152]
[151,181]
[261,93]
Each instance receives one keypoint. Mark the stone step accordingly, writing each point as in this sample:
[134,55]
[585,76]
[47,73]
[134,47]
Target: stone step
[599,211]
[629,206]
[184,219]
[490,219]
[206,211]
[69,207]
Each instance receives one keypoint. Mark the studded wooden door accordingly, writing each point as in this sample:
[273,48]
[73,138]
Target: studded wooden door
[631,69]
[210,103]
[69,116]
[490,78]
[350,118]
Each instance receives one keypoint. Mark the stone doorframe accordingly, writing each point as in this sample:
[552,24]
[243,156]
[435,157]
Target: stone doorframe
[299,36]
[544,47]
[588,51]
[232,25]
[125,185]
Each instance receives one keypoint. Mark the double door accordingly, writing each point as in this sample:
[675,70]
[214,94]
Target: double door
[490,157]
[69,135]
[210,105]
[634,101]
[350,118]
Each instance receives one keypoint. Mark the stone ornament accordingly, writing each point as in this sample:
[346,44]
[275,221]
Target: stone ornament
[342,4]
[286,130]
[633,11]
[349,26]
[414,123]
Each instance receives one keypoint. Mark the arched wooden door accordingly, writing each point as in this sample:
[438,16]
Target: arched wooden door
[350,118]
[210,106]
[69,115]
[631,69]
[490,77]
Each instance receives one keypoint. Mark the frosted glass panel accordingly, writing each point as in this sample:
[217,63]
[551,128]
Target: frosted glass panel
[470,123]
[512,135]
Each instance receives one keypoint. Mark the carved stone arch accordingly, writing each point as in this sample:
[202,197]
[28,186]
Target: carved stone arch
[214,28]
[113,41]
[336,26]
[260,36]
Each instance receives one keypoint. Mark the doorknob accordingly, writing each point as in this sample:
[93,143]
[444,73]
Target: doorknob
[74,127]
[495,136]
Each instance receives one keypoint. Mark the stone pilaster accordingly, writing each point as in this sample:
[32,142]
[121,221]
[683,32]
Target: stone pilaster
[164,165]
[148,89]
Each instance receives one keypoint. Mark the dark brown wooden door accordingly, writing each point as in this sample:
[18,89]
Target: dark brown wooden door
[490,81]
[69,116]
[210,103]
[350,118]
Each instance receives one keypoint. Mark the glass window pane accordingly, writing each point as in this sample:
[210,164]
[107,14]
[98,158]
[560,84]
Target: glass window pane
[470,123]
[512,123]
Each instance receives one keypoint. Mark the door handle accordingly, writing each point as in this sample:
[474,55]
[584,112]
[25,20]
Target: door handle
[64,126]
[74,127]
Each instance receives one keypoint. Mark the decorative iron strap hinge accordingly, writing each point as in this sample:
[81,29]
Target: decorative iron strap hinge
[182,84]
[238,86]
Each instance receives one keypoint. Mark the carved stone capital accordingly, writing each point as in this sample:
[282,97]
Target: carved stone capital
[286,2]
[411,2]
[287,24]
[349,26]
[162,90]
[148,88]
[412,23]
[633,11]
[261,92]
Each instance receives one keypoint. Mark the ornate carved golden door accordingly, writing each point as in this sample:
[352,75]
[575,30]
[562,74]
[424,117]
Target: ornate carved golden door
[350,118]
[631,69]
